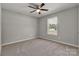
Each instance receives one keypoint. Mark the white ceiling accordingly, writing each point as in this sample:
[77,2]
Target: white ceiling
[24,9]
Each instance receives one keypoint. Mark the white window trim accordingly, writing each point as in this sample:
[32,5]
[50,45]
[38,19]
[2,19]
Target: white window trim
[48,26]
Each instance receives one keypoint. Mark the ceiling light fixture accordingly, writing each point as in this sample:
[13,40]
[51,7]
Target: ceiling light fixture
[38,10]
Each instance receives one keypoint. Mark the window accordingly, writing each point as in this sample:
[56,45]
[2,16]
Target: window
[52,26]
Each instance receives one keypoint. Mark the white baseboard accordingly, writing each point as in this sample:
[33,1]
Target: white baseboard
[41,38]
[76,46]
[18,41]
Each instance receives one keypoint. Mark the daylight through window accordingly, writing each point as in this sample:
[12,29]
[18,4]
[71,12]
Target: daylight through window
[52,26]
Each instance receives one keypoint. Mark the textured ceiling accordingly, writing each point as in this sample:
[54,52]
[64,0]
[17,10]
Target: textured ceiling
[24,9]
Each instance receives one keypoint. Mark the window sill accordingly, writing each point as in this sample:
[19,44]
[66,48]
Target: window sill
[52,33]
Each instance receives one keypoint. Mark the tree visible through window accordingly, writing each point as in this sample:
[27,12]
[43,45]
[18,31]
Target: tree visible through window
[52,26]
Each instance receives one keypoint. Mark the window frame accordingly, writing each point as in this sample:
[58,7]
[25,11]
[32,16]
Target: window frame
[56,25]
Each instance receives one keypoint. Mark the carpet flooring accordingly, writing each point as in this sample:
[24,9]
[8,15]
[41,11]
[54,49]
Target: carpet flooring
[38,47]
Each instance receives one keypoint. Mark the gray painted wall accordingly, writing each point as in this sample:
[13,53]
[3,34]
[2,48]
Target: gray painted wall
[67,26]
[78,29]
[78,25]
[0,29]
[17,27]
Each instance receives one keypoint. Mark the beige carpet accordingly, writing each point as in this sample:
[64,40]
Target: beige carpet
[38,47]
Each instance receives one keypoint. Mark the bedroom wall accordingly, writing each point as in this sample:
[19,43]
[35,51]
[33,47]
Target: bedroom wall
[67,26]
[16,27]
[0,29]
[78,30]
